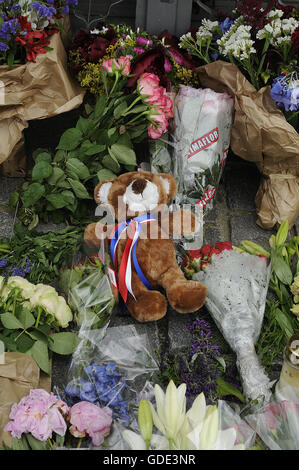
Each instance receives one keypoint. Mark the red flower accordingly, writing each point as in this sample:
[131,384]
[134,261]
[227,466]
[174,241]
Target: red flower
[151,61]
[295,40]
[194,254]
[35,43]
[224,246]
[207,251]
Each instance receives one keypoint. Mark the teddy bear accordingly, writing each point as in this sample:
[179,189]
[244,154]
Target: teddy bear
[141,244]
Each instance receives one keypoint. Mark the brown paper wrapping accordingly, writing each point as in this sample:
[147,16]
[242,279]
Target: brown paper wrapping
[19,373]
[262,135]
[35,91]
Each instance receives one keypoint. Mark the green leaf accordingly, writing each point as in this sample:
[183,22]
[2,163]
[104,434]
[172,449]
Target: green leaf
[57,174]
[284,323]
[43,157]
[70,139]
[70,199]
[10,321]
[39,352]
[57,200]
[110,162]
[83,124]
[35,444]
[224,388]
[24,342]
[79,189]
[94,149]
[41,171]
[105,174]
[33,193]
[124,154]
[63,343]
[118,110]
[26,318]
[20,444]
[76,166]
[100,107]
[281,268]
[60,155]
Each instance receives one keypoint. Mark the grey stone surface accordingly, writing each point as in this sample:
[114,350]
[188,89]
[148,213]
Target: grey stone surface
[150,329]
[241,181]
[7,186]
[178,334]
[6,225]
[212,235]
[243,227]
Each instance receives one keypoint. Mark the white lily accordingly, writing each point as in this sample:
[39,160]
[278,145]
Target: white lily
[171,410]
[136,442]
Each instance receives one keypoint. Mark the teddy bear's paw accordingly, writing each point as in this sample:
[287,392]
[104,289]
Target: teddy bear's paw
[150,306]
[187,297]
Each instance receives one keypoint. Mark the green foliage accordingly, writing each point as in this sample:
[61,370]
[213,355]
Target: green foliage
[28,329]
[60,186]
[48,252]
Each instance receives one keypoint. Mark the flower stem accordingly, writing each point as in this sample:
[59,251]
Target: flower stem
[79,443]
[50,442]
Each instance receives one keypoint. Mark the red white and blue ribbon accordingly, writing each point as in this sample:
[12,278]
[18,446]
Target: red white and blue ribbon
[129,254]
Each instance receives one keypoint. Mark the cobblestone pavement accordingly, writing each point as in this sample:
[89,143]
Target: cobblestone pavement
[233,218]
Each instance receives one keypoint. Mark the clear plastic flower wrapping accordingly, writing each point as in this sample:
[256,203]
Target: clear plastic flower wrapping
[237,288]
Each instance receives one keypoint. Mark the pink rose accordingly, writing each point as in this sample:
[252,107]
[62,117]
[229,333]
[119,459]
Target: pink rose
[159,127]
[123,64]
[89,419]
[148,84]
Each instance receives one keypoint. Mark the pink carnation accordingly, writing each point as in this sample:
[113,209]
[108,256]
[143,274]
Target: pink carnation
[89,419]
[123,64]
[144,41]
[159,127]
[38,414]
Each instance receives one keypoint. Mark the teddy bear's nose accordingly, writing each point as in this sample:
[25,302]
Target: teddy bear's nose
[139,186]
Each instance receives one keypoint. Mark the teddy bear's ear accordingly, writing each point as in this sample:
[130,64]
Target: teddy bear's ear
[101,192]
[169,185]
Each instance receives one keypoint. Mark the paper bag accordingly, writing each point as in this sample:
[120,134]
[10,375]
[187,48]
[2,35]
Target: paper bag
[35,91]
[262,135]
[19,373]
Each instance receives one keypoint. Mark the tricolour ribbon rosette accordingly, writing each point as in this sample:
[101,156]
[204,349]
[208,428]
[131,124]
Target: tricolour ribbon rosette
[237,287]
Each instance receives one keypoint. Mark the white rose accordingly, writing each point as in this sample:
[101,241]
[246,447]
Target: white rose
[63,313]
[26,287]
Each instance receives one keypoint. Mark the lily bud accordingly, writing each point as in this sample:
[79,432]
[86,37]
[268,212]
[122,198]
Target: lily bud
[145,421]
[282,233]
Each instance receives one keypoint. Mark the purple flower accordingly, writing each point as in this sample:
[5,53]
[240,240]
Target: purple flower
[226,25]
[138,50]
[284,94]
[4,261]
[144,41]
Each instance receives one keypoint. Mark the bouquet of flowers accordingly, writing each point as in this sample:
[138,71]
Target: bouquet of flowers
[254,57]
[110,368]
[41,421]
[35,83]
[88,291]
[28,315]
[148,54]
[277,425]
[202,427]
[237,285]
[26,28]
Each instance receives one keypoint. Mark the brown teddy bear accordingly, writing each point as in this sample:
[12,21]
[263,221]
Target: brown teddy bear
[144,254]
